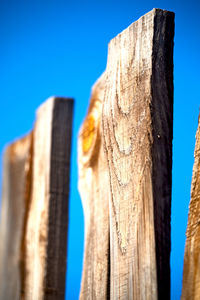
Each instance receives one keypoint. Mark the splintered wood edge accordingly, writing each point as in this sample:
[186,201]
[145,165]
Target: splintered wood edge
[191,275]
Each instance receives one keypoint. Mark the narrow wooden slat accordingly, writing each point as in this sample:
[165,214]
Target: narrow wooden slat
[191,271]
[137,132]
[16,169]
[46,230]
[93,186]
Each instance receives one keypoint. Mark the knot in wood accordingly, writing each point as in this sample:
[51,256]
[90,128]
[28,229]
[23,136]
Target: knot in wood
[88,133]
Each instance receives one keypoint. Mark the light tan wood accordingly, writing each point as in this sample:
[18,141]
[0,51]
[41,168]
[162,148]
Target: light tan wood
[93,186]
[15,173]
[191,271]
[34,217]
[48,215]
[136,134]
[137,127]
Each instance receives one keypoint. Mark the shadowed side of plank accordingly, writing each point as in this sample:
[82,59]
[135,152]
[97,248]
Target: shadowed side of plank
[16,169]
[46,231]
[161,151]
[191,271]
[137,122]
[93,187]
[58,202]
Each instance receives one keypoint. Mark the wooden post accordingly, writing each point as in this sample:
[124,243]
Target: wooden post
[16,169]
[42,186]
[191,271]
[136,133]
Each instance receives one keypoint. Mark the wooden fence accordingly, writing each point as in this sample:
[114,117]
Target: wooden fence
[125,161]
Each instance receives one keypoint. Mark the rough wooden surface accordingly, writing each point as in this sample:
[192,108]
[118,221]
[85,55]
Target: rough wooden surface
[93,186]
[191,271]
[137,128]
[136,133]
[13,210]
[35,207]
[48,215]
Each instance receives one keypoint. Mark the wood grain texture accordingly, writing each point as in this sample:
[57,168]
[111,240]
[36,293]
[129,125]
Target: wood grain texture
[93,187]
[13,211]
[191,271]
[137,121]
[125,160]
[46,233]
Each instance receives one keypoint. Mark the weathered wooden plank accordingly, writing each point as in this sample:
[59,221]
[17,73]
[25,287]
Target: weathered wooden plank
[16,170]
[93,186]
[137,132]
[46,231]
[136,93]
[191,271]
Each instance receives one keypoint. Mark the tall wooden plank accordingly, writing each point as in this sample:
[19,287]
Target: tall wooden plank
[191,271]
[46,231]
[93,186]
[137,121]
[16,170]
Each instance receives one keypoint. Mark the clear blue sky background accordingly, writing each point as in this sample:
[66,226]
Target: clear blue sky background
[60,48]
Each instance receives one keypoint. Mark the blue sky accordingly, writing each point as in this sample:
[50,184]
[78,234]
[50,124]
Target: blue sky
[60,48]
